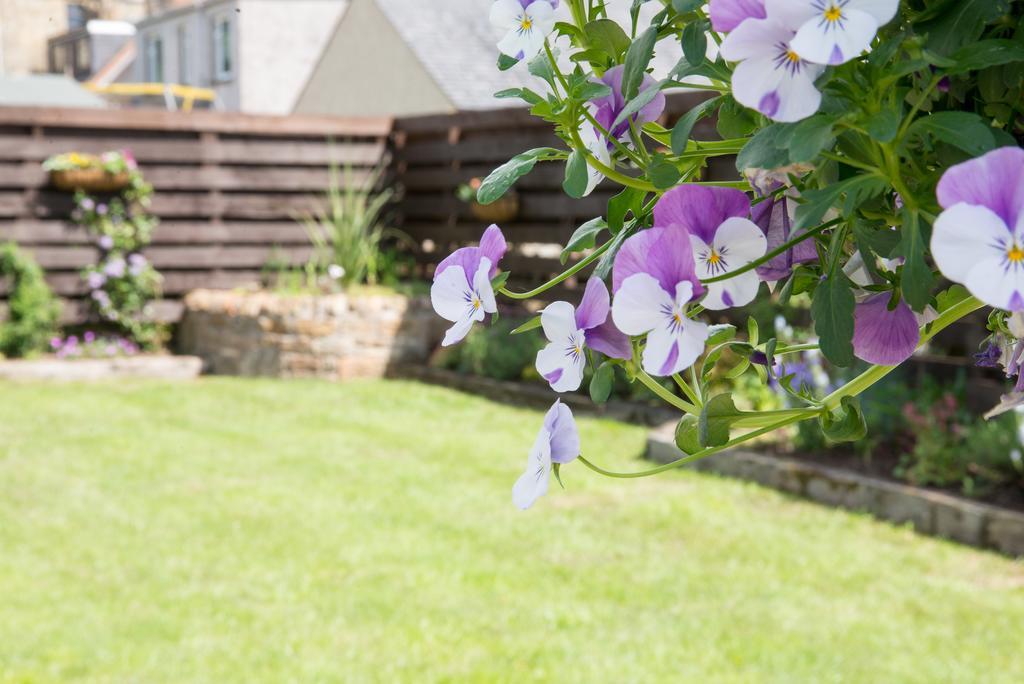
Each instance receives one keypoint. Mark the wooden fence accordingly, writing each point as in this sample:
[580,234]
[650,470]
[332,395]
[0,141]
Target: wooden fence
[433,155]
[228,188]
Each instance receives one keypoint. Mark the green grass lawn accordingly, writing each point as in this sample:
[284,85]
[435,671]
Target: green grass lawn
[250,531]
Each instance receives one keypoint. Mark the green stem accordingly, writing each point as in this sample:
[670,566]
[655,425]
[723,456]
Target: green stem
[576,268]
[781,249]
[608,136]
[687,390]
[664,394]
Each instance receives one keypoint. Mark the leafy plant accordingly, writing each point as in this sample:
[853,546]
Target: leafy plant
[32,309]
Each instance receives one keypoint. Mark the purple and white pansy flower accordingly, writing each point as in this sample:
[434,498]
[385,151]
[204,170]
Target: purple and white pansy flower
[978,240]
[608,108]
[597,145]
[524,25]
[654,279]
[832,31]
[557,442]
[723,239]
[772,76]
[461,291]
[571,330]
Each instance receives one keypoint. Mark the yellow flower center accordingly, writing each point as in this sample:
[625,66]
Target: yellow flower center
[677,317]
[527,23]
[1015,254]
[476,303]
[833,13]
[714,258]
[792,56]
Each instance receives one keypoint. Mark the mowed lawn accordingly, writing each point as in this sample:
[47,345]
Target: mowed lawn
[251,531]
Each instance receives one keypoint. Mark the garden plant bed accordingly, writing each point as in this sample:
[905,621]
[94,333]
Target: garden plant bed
[153,366]
[928,510]
[333,336]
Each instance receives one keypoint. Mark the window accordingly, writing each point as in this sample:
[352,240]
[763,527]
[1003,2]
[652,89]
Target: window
[59,59]
[184,68]
[154,59]
[223,48]
[82,57]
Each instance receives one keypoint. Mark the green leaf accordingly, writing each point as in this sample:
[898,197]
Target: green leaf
[753,331]
[964,130]
[766,150]
[540,66]
[505,62]
[959,22]
[688,434]
[584,237]
[684,6]
[576,177]
[695,42]
[857,189]
[601,383]
[722,332]
[630,199]
[662,173]
[846,423]
[917,280]
[832,310]
[499,280]
[591,90]
[607,36]
[638,56]
[951,297]
[524,94]
[735,120]
[880,240]
[637,103]
[884,125]
[531,324]
[503,177]
[715,420]
[809,137]
[684,126]
[986,53]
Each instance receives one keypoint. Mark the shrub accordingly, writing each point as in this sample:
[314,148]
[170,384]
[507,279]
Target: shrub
[33,311]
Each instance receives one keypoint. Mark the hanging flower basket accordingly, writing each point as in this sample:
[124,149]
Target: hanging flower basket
[499,211]
[95,180]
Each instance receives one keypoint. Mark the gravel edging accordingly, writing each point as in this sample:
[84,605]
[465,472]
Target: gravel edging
[534,395]
[932,513]
[154,366]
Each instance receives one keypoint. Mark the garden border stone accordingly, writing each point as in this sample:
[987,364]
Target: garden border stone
[152,366]
[932,513]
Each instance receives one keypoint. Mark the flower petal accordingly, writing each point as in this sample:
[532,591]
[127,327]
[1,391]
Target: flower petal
[755,38]
[493,246]
[726,15]
[640,304]
[966,235]
[609,340]
[881,336]
[533,483]
[667,352]
[563,434]
[457,332]
[505,14]
[483,289]
[791,13]
[595,305]
[772,216]
[559,322]
[994,180]
[835,42]
[448,293]
[779,92]
[663,253]
[737,291]
[882,10]
[598,146]
[562,369]
[700,209]
[741,240]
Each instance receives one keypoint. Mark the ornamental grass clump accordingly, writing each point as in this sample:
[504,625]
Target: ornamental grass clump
[881,179]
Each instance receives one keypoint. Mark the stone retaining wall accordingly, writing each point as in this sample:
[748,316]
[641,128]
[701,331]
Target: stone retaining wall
[338,336]
[152,366]
[929,512]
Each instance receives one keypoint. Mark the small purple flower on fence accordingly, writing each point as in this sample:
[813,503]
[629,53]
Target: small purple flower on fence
[87,204]
[607,109]
[557,442]
[832,31]
[56,343]
[723,239]
[114,268]
[654,280]
[95,280]
[101,209]
[524,25]
[772,77]
[136,264]
[979,239]
[462,291]
[89,337]
[106,242]
[570,331]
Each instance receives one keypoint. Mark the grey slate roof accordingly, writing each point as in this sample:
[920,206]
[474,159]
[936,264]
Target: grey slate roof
[456,43]
[46,90]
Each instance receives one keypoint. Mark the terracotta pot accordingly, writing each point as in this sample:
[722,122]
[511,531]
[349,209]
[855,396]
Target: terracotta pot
[499,211]
[89,180]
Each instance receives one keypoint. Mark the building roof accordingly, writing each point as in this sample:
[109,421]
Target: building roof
[47,90]
[455,42]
